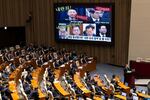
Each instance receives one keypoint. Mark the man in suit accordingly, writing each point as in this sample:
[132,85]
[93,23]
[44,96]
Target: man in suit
[62,31]
[34,94]
[95,16]
[127,71]
[76,30]
[72,13]
[102,31]
[89,30]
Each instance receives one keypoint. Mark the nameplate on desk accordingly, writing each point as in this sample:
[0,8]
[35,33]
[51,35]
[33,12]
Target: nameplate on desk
[90,58]
[12,82]
[50,60]
[56,81]
[84,88]
[62,66]
[67,63]
[89,62]
[46,63]
[29,61]
[11,59]
[35,78]
[80,67]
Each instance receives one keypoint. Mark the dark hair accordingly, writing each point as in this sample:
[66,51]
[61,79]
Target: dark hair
[89,26]
[92,11]
[113,76]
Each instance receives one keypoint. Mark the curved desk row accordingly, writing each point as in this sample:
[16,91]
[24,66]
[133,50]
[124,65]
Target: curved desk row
[13,82]
[37,77]
[58,86]
[101,84]
[81,85]
[14,79]
[122,85]
[61,70]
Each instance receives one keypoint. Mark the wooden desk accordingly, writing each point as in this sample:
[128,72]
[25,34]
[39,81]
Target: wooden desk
[15,96]
[16,75]
[42,96]
[97,98]
[13,82]
[59,72]
[16,61]
[141,95]
[35,82]
[3,65]
[104,88]
[13,89]
[81,85]
[120,97]
[37,76]
[90,66]
[85,67]
[141,69]
[61,89]
[122,85]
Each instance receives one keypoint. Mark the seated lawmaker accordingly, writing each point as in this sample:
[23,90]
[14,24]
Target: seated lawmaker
[95,15]
[113,81]
[61,61]
[74,64]
[34,94]
[6,93]
[56,64]
[65,58]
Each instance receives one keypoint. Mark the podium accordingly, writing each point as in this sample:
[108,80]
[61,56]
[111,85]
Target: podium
[130,79]
[142,69]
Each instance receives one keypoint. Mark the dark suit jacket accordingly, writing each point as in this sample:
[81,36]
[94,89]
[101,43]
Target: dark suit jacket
[34,95]
[126,70]
[126,74]
[102,19]
[107,35]
[92,21]
[85,34]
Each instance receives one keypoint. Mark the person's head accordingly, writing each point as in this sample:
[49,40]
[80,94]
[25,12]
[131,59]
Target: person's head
[89,30]
[72,13]
[103,29]
[113,76]
[126,65]
[62,30]
[76,30]
[96,13]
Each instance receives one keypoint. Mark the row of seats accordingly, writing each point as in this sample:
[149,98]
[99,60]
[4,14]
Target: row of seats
[47,73]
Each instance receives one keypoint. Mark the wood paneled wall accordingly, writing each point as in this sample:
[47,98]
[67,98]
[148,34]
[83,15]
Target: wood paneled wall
[41,29]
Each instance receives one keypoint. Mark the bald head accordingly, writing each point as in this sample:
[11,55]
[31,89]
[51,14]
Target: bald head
[72,13]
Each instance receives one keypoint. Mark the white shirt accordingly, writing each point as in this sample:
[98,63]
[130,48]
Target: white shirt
[95,20]
[102,35]
[24,74]
[0,75]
